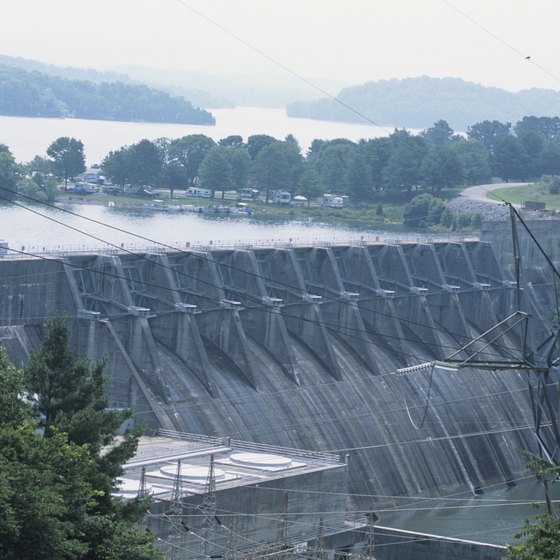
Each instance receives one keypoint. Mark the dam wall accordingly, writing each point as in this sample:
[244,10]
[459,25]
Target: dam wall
[301,347]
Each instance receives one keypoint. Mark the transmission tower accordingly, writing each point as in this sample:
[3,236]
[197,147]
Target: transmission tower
[142,487]
[320,552]
[208,508]
[174,515]
[537,364]
[368,546]
[283,529]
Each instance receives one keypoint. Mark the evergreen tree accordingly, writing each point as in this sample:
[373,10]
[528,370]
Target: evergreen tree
[82,460]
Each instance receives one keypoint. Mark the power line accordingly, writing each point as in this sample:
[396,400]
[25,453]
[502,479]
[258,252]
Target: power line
[248,273]
[280,65]
[511,47]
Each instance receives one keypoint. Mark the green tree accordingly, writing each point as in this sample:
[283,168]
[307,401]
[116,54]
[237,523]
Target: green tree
[440,134]
[189,152]
[67,156]
[257,142]
[117,166]
[69,396]
[52,504]
[441,168]
[9,174]
[435,211]
[547,127]
[550,157]
[509,158]
[333,165]
[475,161]
[146,162]
[277,166]
[173,176]
[215,170]
[464,220]
[310,184]
[416,212]
[376,153]
[447,218]
[232,141]
[533,145]
[240,163]
[487,132]
[40,165]
[402,171]
[542,536]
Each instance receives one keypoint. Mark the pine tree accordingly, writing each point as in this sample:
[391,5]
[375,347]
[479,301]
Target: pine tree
[69,402]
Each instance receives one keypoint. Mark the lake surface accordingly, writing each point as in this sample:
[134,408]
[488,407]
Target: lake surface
[37,227]
[28,137]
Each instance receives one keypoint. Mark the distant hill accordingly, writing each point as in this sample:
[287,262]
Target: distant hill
[195,95]
[88,74]
[31,93]
[249,90]
[420,102]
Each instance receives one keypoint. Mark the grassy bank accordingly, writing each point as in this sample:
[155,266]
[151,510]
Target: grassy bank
[382,212]
[538,192]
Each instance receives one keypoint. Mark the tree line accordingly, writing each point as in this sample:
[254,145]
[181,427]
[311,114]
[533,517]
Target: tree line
[34,94]
[418,102]
[396,167]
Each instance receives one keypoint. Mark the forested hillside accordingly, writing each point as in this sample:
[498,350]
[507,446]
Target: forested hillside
[419,102]
[34,94]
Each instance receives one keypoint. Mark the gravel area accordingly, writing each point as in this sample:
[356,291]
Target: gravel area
[474,199]
[489,210]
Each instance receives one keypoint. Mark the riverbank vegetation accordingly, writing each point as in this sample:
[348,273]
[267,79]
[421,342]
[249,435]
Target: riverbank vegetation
[401,179]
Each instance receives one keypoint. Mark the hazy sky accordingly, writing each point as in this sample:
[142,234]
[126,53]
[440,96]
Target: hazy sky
[351,40]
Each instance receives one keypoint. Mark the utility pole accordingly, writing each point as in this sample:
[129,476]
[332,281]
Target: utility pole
[208,509]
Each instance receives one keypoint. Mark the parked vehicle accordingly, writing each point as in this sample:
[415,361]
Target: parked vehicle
[253,194]
[82,188]
[332,201]
[299,200]
[138,190]
[197,191]
[281,197]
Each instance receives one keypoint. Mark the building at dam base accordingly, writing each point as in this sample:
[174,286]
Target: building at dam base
[219,498]
[300,348]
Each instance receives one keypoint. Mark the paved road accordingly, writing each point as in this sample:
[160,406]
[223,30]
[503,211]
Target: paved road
[474,199]
[480,191]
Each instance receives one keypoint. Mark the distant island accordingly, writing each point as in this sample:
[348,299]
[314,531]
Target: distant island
[29,93]
[419,102]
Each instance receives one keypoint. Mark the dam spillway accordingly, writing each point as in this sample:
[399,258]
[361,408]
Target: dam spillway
[299,347]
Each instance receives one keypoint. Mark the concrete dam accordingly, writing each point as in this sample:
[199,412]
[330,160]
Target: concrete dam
[300,346]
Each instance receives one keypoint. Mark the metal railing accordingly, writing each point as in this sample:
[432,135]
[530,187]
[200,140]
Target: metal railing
[55,252]
[251,446]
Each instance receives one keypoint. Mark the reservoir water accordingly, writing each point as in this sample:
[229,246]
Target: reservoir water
[28,137]
[37,227]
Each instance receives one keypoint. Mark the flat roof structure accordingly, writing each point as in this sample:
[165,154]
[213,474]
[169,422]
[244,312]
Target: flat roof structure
[256,496]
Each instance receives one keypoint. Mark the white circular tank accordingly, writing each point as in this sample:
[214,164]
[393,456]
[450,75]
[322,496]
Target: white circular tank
[260,460]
